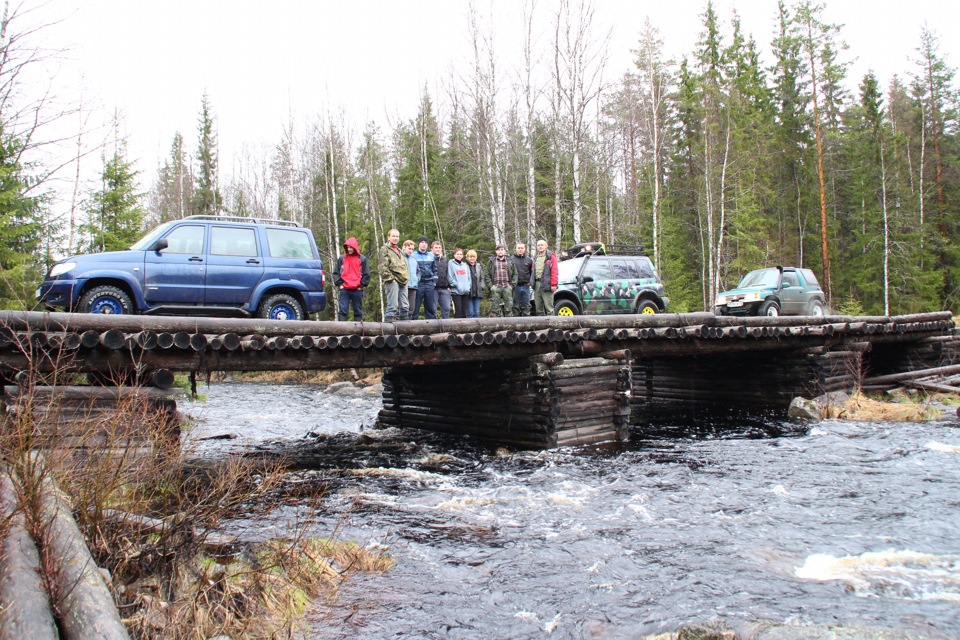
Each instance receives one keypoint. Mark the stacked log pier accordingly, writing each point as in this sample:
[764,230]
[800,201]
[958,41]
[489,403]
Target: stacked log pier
[538,402]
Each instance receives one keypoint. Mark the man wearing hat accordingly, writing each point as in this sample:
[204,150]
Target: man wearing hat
[426,287]
[502,276]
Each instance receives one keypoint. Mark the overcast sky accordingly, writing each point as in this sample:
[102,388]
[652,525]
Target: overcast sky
[261,62]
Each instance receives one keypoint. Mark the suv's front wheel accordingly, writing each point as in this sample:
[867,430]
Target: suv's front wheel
[105,299]
[647,307]
[769,308]
[565,308]
[280,307]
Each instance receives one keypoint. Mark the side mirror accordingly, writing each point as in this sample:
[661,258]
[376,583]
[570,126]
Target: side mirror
[586,279]
[161,244]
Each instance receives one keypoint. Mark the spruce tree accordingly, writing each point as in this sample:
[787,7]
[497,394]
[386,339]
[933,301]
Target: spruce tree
[116,214]
[207,199]
[22,229]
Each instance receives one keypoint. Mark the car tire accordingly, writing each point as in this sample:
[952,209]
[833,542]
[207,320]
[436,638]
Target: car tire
[280,306]
[565,308]
[769,308]
[647,307]
[105,299]
[816,308]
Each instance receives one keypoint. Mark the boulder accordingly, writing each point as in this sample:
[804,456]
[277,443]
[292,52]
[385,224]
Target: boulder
[804,409]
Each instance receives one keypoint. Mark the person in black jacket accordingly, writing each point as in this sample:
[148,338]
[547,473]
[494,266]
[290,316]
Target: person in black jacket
[521,295]
[443,283]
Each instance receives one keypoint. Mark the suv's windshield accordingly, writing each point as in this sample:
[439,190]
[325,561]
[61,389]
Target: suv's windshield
[150,238]
[760,278]
[568,270]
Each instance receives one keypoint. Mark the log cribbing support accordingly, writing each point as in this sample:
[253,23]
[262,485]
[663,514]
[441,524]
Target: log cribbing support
[541,401]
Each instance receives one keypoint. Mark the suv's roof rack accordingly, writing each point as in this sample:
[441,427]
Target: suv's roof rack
[599,248]
[283,223]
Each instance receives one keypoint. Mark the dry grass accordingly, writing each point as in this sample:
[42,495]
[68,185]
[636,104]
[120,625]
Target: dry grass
[364,376]
[860,407]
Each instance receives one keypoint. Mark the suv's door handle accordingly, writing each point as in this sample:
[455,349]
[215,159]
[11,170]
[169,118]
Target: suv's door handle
[196,259]
[253,261]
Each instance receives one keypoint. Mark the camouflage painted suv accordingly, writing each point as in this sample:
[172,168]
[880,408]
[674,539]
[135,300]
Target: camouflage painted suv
[774,291]
[596,279]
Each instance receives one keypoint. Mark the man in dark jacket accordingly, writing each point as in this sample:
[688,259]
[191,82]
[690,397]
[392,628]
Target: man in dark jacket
[443,282]
[521,295]
[351,275]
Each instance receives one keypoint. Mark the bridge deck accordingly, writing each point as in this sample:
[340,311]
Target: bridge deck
[45,342]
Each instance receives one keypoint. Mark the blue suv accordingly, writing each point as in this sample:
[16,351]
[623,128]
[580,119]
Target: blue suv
[200,265]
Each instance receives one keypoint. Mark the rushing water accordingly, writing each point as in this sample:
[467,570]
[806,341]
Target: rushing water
[842,523]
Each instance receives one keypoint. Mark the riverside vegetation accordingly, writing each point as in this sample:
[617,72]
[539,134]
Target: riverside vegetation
[149,516]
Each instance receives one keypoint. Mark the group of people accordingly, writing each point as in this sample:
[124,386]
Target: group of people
[419,276]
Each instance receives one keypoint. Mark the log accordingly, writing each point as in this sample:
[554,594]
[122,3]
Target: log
[932,386]
[910,375]
[86,605]
[26,609]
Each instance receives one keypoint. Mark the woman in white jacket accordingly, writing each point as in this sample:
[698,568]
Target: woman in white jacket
[459,279]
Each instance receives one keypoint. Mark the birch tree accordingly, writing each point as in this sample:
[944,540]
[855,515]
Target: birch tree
[579,63]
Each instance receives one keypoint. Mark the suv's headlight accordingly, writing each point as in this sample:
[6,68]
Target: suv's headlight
[721,300]
[752,297]
[62,268]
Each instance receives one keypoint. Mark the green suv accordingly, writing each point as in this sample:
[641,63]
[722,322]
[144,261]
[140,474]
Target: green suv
[596,279]
[774,291]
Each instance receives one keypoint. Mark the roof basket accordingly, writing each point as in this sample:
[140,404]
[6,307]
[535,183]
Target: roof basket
[281,223]
[599,248]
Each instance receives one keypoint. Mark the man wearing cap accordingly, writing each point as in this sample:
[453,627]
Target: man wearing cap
[502,275]
[521,295]
[426,287]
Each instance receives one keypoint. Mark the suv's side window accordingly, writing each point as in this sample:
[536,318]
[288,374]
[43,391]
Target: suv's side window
[597,268]
[185,239]
[233,241]
[646,269]
[625,270]
[285,243]
[790,279]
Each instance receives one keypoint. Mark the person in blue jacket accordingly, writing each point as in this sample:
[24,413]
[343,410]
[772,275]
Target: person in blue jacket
[408,251]
[427,280]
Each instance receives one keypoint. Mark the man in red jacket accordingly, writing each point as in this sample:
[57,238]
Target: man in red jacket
[545,274]
[351,275]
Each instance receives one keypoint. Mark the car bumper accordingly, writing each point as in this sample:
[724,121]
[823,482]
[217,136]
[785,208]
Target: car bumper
[316,302]
[746,309]
[55,294]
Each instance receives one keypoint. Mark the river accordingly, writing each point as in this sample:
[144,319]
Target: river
[741,520]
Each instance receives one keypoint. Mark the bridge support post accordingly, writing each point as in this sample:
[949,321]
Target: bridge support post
[538,402]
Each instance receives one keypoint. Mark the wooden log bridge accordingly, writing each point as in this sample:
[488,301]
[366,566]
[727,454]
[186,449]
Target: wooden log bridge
[538,381]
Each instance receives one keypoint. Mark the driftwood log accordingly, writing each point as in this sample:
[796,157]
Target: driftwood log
[84,600]
[25,610]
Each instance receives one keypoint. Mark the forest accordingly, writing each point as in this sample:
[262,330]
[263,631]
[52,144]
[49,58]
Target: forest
[715,163]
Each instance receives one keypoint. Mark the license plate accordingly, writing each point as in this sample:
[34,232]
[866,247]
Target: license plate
[735,303]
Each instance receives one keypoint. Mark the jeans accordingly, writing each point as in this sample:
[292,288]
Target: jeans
[427,296]
[412,302]
[473,307]
[543,301]
[348,297]
[396,297]
[501,296]
[443,298]
[521,300]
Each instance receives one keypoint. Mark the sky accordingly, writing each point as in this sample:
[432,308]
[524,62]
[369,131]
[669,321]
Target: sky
[263,64]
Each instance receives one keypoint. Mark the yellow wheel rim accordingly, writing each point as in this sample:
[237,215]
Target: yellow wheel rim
[565,311]
[648,311]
